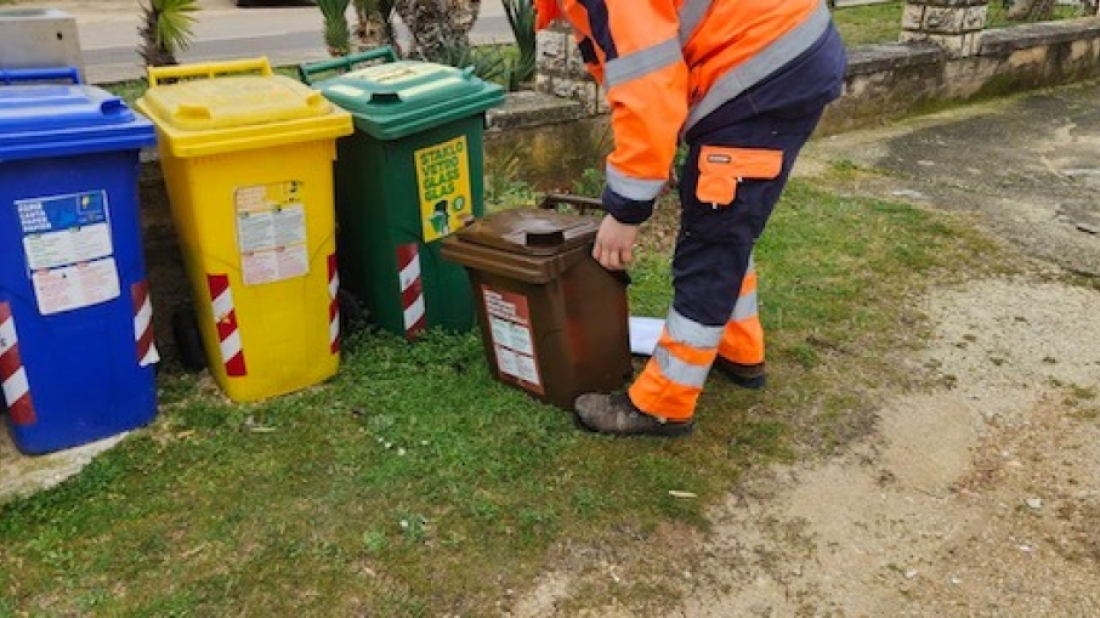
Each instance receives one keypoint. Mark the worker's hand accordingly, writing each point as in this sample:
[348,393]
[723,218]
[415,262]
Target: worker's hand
[614,248]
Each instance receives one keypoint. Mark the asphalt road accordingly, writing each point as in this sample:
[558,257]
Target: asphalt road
[287,36]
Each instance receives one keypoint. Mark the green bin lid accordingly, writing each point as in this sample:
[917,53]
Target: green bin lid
[394,100]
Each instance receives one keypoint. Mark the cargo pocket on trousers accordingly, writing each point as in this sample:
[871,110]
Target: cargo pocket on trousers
[722,168]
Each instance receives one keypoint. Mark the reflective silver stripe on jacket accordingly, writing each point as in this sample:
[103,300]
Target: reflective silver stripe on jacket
[638,189]
[642,62]
[659,56]
[778,53]
[692,13]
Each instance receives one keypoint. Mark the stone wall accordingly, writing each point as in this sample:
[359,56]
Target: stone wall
[954,25]
[561,70]
[889,81]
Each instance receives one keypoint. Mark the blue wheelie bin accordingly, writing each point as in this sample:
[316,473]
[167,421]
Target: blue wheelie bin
[77,355]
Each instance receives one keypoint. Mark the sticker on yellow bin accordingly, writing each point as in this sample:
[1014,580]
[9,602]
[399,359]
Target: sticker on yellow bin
[443,179]
[271,232]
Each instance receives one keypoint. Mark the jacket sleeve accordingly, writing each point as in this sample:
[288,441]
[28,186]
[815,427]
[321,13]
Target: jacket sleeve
[646,83]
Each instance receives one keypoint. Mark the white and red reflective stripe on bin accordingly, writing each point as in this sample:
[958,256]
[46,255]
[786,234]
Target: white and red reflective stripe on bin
[333,306]
[13,376]
[225,319]
[412,290]
[144,336]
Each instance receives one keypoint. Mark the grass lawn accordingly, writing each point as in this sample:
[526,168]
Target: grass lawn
[413,484]
[869,24]
[881,23]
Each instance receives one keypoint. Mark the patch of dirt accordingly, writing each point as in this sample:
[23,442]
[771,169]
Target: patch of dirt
[977,499]
[22,476]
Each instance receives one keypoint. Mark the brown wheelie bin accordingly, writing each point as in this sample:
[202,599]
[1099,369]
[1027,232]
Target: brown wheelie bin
[554,322]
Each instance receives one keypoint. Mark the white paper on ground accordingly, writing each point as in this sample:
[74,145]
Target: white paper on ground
[644,333]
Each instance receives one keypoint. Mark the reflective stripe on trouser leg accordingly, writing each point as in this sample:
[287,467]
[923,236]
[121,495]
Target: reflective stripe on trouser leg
[670,384]
[743,339]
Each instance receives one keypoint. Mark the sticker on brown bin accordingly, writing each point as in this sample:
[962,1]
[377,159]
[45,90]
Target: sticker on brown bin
[510,326]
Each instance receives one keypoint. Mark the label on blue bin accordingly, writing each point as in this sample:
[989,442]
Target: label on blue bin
[69,250]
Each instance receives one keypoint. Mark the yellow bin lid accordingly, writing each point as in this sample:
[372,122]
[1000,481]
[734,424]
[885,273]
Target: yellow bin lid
[213,108]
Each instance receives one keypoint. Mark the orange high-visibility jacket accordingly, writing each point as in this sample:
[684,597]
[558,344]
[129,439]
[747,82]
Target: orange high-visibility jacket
[666,64]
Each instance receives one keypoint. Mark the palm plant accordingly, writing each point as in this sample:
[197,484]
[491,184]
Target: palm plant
[521,17]
[165,29]
[438,25]
[374,23]
[337,34]
[488,63]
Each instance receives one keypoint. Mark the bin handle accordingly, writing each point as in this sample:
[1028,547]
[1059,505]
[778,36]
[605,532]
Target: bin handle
[209,70]
[583,203]
[10,76]
[580,202]
[345,64]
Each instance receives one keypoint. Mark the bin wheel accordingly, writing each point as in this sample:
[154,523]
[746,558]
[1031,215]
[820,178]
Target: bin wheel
[352,313]
[185,329]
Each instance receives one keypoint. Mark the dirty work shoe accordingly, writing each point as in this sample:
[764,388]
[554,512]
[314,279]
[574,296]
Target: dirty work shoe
[615,415]
[745,376]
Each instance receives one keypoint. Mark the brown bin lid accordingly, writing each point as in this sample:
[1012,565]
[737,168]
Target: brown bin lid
[531,231]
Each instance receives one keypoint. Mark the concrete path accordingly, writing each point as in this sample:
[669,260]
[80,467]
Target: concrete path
[1030,166]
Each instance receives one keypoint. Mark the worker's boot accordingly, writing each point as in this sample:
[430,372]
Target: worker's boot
[745,376]
[616,415]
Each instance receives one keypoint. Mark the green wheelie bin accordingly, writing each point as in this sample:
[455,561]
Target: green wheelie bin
[410,175]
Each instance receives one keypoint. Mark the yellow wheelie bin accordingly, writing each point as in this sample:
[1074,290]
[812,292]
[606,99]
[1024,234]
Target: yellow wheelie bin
[247,160]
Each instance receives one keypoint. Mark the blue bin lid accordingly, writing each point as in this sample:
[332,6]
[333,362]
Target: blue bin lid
[39,120]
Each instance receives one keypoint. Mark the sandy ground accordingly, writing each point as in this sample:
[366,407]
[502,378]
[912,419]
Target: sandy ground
[979,499]
[21,476]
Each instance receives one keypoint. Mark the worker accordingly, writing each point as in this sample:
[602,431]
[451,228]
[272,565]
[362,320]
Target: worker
[743,84]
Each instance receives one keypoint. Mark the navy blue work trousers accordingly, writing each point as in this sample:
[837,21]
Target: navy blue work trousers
[716,240]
